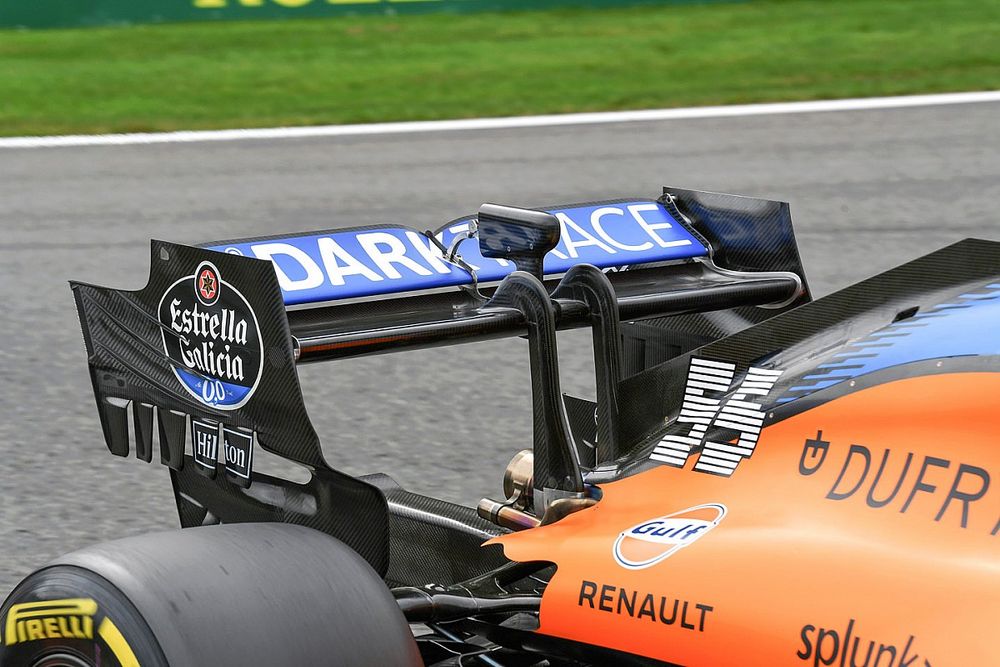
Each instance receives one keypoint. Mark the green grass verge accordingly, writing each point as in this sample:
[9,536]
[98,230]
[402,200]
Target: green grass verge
[366,69]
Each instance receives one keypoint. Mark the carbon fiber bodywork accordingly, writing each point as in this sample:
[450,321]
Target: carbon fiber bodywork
[434,541]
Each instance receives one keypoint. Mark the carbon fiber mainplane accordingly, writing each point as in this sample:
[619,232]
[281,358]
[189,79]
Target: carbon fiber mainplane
[761,478]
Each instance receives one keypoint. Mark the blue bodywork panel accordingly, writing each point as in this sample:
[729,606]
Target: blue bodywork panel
[965,326]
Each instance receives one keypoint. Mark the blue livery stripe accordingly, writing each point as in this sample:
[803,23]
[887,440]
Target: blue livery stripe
[966,327]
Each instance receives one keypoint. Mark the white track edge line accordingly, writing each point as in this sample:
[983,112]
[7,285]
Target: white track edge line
[853,104]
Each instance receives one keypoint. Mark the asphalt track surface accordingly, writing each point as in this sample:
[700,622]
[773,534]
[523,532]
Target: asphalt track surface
[869,189]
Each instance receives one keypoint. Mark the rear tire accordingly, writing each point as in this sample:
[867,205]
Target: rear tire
[65,616]
[238,594]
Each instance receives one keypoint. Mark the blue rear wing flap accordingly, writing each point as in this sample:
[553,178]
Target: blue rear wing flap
[329,266]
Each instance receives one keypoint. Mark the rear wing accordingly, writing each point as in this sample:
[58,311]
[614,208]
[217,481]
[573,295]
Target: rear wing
[210,345]
[365,290]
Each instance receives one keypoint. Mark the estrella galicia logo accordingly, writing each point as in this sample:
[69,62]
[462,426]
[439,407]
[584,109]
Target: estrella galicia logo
[211,334]
[652,541]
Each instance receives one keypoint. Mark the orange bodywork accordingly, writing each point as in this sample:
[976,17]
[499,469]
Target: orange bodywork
[864,531]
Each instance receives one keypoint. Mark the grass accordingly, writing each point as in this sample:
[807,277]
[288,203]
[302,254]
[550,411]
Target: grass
[380,68]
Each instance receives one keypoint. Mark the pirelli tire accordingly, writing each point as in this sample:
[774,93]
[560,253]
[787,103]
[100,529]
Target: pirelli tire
[239,594]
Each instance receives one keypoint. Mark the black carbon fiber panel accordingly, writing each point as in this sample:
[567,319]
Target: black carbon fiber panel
[745,234]
[433,541]
[128,346]
[325,503]
[582,416]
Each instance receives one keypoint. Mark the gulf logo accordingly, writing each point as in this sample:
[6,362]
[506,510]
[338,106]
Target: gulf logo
[655,540]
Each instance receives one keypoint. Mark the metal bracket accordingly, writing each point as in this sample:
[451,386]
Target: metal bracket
[452,256]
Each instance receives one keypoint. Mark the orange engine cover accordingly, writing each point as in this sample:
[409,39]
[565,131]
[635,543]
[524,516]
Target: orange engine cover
[863,532]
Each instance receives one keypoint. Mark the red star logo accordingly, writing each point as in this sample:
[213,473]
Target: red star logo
[207,284]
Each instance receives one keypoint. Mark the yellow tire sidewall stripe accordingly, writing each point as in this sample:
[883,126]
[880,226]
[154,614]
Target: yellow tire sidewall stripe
[113,637]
